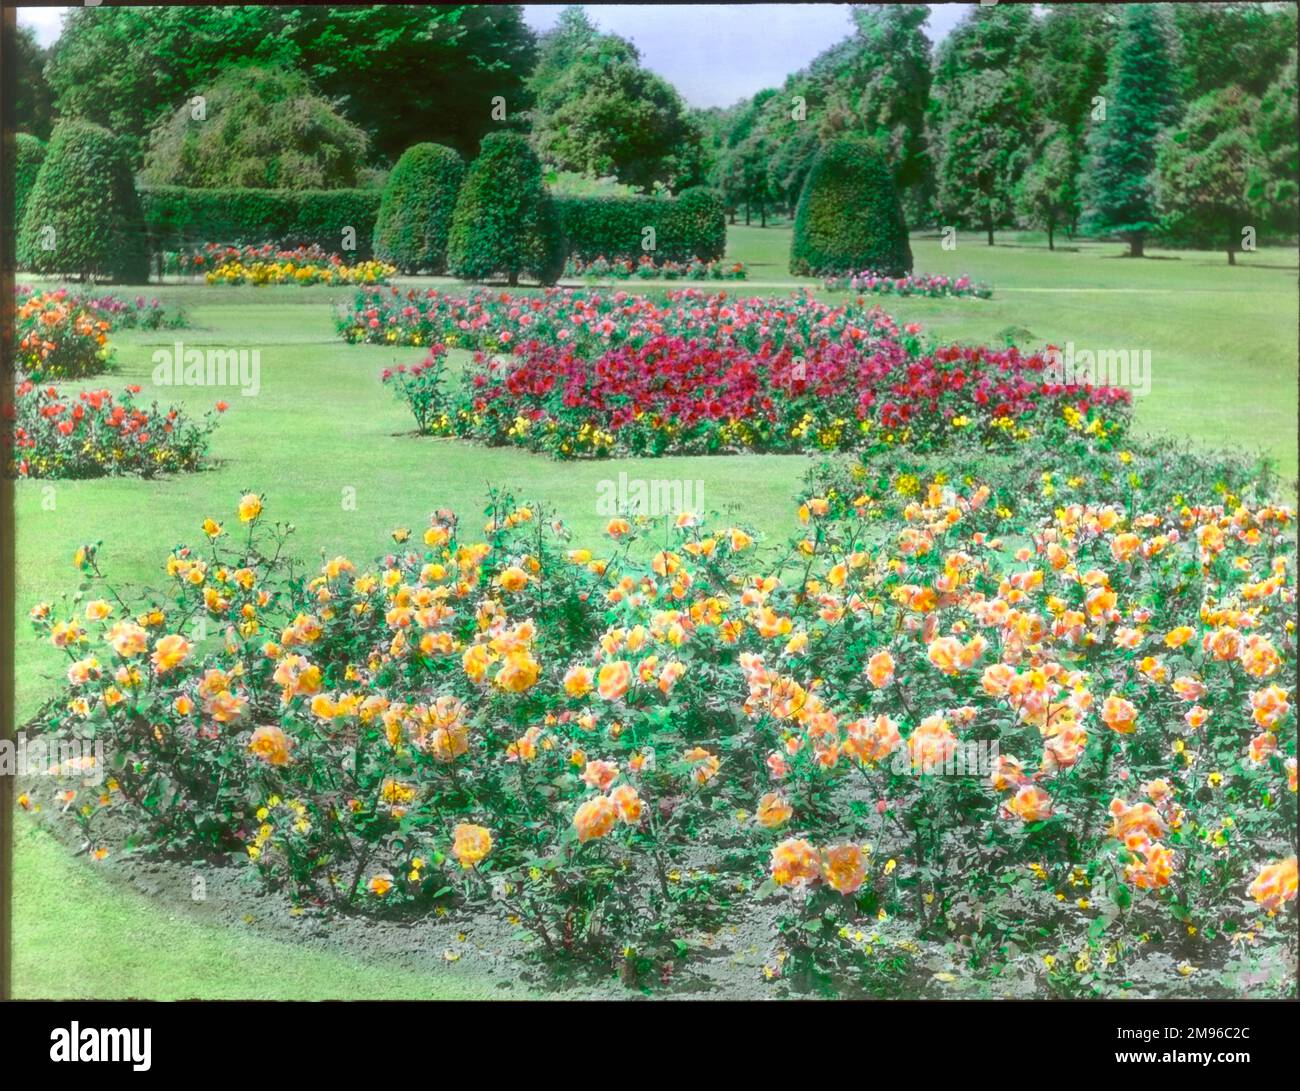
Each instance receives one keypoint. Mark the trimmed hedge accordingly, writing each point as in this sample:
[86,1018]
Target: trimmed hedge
[416,209]
[180,218]
[85,194]
[849,219]
[693,225]
[505,221]
[29,155]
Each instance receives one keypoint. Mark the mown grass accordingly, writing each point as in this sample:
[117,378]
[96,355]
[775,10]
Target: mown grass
[335,455]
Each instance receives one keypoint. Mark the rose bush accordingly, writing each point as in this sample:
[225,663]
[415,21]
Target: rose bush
[96,434]
[1048,735]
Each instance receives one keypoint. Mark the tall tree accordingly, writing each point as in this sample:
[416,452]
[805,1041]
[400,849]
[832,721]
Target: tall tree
[1203,170]
[606,115]
[1238,45]
[1046,196]
[877,85]
[405,73]
[1275,187]
[1074,41]
[32,98]
[984,114]
[1140,101]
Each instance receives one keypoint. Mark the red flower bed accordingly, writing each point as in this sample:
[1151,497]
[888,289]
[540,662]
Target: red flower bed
[673,395]
[96,434]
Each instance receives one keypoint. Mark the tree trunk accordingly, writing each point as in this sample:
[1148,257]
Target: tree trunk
[989,226]
[747,214]
[1136,246]
[513,280]
[762,212]
[1232,256]
[1051,228]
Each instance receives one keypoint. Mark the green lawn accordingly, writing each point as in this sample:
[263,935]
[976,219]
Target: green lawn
[323,432]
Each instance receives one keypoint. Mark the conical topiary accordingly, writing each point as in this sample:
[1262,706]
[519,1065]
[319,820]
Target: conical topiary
[849,217]
[83,215]
[415,213]
[505,222]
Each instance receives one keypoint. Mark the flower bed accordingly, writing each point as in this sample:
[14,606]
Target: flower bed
[97,434]
[121,314]
[1069,740]
[670,396]
[595,320]
[59,337]
[647,268]
[269,264]
[920,284]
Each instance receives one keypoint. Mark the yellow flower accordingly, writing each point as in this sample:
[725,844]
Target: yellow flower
[250,507]
[471,844]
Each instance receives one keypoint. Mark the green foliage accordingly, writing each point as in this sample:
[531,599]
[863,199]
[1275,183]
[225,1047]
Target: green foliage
[406,73]
[1046,195]
[1140,102]
[505,222]
[180,218]
[984,115]
[875,84]
[83,215]
[1274,189]
[1235,44]
[849,217]
[260,128]
[32,98]
[693,225]
[29,154]
[415,213]
[1073,42]
[1203,171]
[606,115]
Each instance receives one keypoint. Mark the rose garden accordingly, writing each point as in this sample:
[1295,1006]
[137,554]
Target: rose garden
[959,676]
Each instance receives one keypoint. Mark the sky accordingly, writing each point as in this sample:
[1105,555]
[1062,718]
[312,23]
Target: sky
[714,54]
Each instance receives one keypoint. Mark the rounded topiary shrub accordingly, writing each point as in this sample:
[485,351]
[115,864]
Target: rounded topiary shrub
[29,154]
[849,219]
[83,215]
[415,212]
[505,222]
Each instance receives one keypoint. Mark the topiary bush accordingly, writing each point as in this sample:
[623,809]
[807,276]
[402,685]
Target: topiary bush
[83,215]
[415,212]
[263,128]
[849,217]
[29,154]
[693,225]
[505,222]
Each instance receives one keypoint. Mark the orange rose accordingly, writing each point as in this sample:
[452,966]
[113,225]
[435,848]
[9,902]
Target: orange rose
[773,811]
[795,863]
[844,867]
[613,679]
[595,818]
